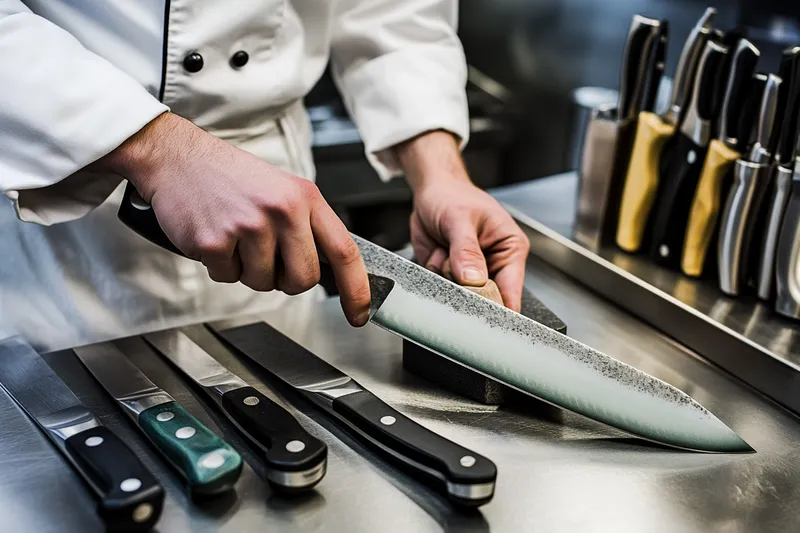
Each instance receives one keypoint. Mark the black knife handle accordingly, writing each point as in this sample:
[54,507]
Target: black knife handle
[674,201]
[130,497]
[787,142]
[141,218]
[465,476]
[293,456]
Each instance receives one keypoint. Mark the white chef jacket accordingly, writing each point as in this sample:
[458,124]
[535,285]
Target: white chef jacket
[77,78]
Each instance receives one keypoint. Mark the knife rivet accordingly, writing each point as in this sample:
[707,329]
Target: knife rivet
[142,513]
[691,157]
[94,441]
[663,250]
[212,460]
[251,401]
[467,461]
[166,416]
[388,420]
[295,446]
[130,485]
[185,432]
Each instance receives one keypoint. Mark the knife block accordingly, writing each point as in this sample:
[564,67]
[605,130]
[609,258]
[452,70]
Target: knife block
[462,380]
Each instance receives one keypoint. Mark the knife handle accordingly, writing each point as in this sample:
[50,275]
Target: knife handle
[141,218]
[736,223]
[207,462]
[467,478]
[641,180]
[781,191]
[705,209]
[787,279]
[676,191]
[130,497]
[295,459]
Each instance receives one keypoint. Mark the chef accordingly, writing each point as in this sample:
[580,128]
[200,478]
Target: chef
[198,103]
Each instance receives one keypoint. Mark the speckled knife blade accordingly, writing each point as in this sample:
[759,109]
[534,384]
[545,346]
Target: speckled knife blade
[473,331]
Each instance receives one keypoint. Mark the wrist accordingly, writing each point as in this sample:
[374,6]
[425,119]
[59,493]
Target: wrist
[432,158]
[136,158]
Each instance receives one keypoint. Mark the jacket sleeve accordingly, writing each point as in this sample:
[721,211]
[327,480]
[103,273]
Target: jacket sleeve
[401,70]
[61,108]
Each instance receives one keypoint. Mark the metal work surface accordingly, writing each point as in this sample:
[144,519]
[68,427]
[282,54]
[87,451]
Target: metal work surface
[557,472]
[741,335]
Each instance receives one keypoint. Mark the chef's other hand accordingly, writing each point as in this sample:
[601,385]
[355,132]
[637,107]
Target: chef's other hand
[454,218]
[244,219]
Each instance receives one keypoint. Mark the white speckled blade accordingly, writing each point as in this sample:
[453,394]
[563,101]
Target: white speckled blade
[475,332]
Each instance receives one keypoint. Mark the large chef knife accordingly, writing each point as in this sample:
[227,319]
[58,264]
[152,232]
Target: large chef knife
[205,461]
[295,460]
[679,181]
[722,153]
[787,263]
[466,477]
[608,138]
[652,133]
[781,183]
[475,332]
[130,498]
[750,180]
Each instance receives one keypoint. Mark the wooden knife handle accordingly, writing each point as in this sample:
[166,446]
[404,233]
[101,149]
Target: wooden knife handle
[641,180]
[705,209]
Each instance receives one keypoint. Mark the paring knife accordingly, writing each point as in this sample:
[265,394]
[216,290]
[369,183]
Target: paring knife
[722,153]
[475,332]
[750,180]
[130,498]
[652,133]
[466,477]
[679,181]
[787,266]
[608,139]
[781,184]
[205,461]
[295,460]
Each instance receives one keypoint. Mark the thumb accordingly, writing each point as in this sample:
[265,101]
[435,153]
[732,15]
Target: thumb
[466,257]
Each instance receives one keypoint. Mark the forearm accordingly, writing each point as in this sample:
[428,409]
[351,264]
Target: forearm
[431,158]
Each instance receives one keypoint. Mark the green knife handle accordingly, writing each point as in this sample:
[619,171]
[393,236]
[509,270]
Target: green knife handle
[207,462]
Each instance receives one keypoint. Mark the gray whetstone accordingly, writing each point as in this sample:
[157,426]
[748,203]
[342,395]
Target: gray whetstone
[462,380]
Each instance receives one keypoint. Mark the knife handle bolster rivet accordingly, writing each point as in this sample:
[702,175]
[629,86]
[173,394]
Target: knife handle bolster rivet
[91,442]
[388,420]
[185,432]
[467,461]
[166,416]
[691,157]
[251,401]
[142,513]
[295,446]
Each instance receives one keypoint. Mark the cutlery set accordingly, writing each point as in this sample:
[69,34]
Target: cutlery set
[706,187]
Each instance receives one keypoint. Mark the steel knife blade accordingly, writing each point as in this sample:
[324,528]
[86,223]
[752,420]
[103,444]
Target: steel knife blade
[425,308]
[130,498]
[295,460]
[466,477]
[787,264]
[206,462]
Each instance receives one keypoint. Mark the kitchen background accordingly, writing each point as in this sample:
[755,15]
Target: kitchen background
[528,59]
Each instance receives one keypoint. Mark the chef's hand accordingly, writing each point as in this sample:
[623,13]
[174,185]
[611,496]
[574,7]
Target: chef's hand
[454,218]
[244,219]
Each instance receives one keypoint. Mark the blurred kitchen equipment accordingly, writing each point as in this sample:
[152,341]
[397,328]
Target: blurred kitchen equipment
[642,177]
[746,194]
[679,180]
[734,126]
[781,184]
[608,138]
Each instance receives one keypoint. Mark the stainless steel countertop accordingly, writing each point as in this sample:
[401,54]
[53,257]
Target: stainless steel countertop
[557,472]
